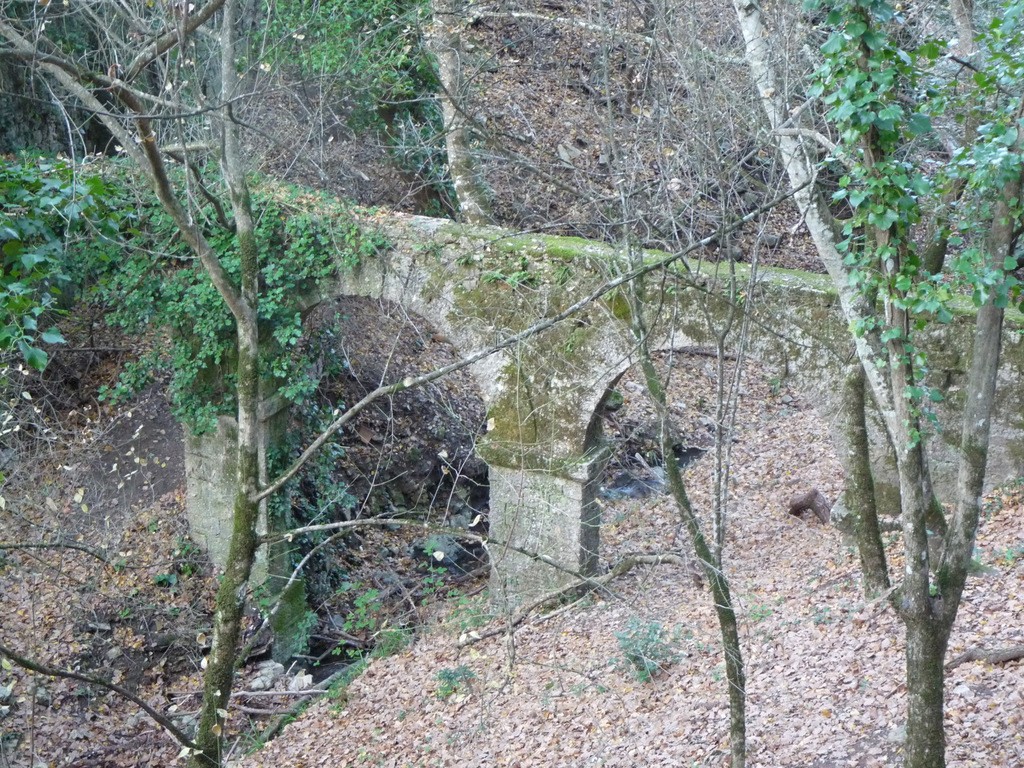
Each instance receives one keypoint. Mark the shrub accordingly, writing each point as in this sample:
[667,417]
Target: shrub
[647,648]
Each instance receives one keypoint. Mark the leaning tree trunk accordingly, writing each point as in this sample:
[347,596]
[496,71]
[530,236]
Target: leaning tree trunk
[710,559]
[711,567]
[231,594]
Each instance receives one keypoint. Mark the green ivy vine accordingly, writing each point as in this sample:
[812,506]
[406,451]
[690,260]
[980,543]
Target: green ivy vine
[48,206]
[883,99]
[303,239]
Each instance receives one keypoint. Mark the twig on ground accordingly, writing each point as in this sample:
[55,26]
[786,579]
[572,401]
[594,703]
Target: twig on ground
[998,656]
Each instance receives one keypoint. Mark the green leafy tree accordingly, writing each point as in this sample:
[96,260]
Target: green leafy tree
[883,98]
[46,206]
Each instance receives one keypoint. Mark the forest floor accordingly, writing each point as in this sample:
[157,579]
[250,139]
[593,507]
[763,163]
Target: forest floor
[824,667]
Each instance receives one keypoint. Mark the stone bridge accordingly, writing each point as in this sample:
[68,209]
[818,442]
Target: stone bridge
[543,443]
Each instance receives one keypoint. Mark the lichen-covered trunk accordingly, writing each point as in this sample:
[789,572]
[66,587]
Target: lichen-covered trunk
[860,486]
[445,42]
[227,622]
[231,594]
[925,745]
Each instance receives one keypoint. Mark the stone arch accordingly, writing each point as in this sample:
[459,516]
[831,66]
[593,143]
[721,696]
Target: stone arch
[541,396]
[413,447]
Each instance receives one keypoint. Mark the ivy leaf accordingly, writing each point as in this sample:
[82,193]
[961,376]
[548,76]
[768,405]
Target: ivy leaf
[857,197]
[52,336]
[35,357]
[883,219]
[919,124]
[873,39]
[1009,138]
[834,44]
[930,50]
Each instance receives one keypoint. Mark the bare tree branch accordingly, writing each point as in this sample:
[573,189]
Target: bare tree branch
[42,669]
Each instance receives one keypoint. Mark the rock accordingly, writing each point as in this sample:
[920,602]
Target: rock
[5,693]
[300,682]
[897,735]
[843,518]
[267,673]
[444,551]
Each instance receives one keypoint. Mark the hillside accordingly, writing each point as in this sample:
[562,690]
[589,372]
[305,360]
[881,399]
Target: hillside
[824,668]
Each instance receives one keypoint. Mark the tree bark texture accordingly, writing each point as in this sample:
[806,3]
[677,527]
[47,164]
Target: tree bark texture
[926,736]
[712,569]
[231,594]
[445,42]
[860,485]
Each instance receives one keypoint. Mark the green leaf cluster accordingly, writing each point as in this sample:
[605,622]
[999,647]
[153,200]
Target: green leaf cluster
[647,648]
[373,48]
[47,206]
[883,98]
[159,285]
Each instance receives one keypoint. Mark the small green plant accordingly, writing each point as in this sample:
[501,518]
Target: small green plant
[520,274]
[822,615]
[759,612]
[433,583]
[367,610]
[1011,555]
[469,614]
[647,648]
[390,641]
[187,557]
[167,580]
[451,681]
[563,274]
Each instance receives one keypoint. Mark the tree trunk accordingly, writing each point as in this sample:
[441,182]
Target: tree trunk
[445,42]
[712,568]
[231,594]
[926,737]
[860,485]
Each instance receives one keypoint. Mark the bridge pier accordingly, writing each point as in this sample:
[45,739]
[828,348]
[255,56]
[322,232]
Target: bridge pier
[544,528]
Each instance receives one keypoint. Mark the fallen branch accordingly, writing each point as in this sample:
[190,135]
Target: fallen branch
[99,554]
[42,669]
[247,694]
[279,722]
[1000,656]
[624,566]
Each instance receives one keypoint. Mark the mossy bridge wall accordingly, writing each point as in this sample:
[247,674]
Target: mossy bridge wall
[543,442]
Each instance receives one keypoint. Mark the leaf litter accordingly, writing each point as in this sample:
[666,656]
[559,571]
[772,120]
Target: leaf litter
[825,669]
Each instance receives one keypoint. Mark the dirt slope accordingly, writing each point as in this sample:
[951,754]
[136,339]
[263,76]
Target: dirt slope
[824,669]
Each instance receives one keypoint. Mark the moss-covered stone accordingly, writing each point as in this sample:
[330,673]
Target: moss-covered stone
[291,624]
